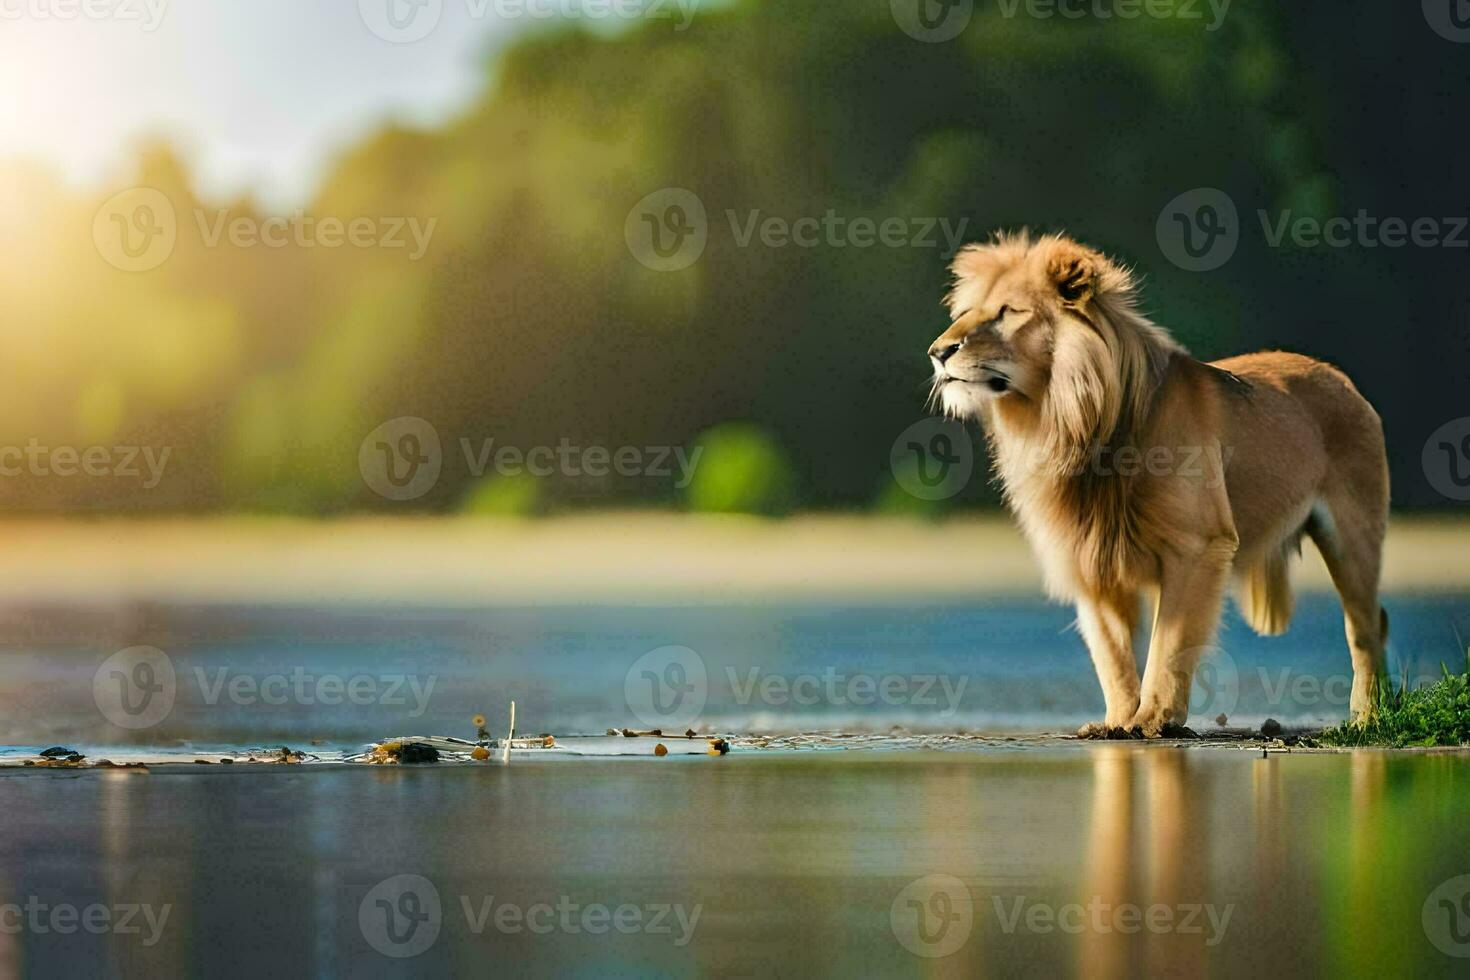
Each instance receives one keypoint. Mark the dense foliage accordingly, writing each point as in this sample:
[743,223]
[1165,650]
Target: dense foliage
[528,320]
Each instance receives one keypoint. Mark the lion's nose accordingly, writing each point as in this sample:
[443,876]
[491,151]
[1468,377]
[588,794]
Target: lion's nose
[943,352]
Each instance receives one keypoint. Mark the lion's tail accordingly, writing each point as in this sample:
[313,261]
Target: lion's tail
[1265,593]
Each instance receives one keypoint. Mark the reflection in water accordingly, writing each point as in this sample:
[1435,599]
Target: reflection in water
[1171,816]
[1322,862]
[1368,859]
[1109,876]
[1269,825]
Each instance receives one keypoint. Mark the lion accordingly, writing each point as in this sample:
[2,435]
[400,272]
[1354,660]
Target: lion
[1136,471]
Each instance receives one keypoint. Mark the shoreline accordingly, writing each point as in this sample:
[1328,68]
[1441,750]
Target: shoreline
[637,558]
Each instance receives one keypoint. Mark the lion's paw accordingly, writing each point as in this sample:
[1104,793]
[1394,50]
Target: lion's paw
[1149,724]
[1098,730]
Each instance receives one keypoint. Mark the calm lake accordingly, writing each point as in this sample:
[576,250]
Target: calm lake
[1036,858]
[346,674]
[1089,860]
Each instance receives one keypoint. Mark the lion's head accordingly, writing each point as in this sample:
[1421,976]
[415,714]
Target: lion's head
[1045,339]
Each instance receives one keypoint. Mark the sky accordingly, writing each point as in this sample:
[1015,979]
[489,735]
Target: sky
[257,95]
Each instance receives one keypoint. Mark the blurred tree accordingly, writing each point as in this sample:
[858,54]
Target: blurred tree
[527,318]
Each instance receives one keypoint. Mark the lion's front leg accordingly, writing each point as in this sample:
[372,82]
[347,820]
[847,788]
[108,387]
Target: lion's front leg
[1107,624]
[1191,591]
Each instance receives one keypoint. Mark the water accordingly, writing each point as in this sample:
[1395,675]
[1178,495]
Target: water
[1031,857]
[1026,862]
[342,675]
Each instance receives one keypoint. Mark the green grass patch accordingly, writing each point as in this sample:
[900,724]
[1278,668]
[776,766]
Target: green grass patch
[1432,714]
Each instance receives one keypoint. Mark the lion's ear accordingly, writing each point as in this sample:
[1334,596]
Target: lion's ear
[1076,272]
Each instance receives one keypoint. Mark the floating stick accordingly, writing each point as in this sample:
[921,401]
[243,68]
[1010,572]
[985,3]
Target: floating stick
[505,755]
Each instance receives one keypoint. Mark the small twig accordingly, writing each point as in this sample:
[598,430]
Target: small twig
[505,755]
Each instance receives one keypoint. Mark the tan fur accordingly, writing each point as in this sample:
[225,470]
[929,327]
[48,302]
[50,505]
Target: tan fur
[1135,470]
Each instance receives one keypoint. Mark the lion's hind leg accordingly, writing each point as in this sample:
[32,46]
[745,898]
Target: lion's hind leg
[1351,543]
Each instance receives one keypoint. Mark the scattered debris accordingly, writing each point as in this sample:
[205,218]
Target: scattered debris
[651,733]
[58,757]
[403,753]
